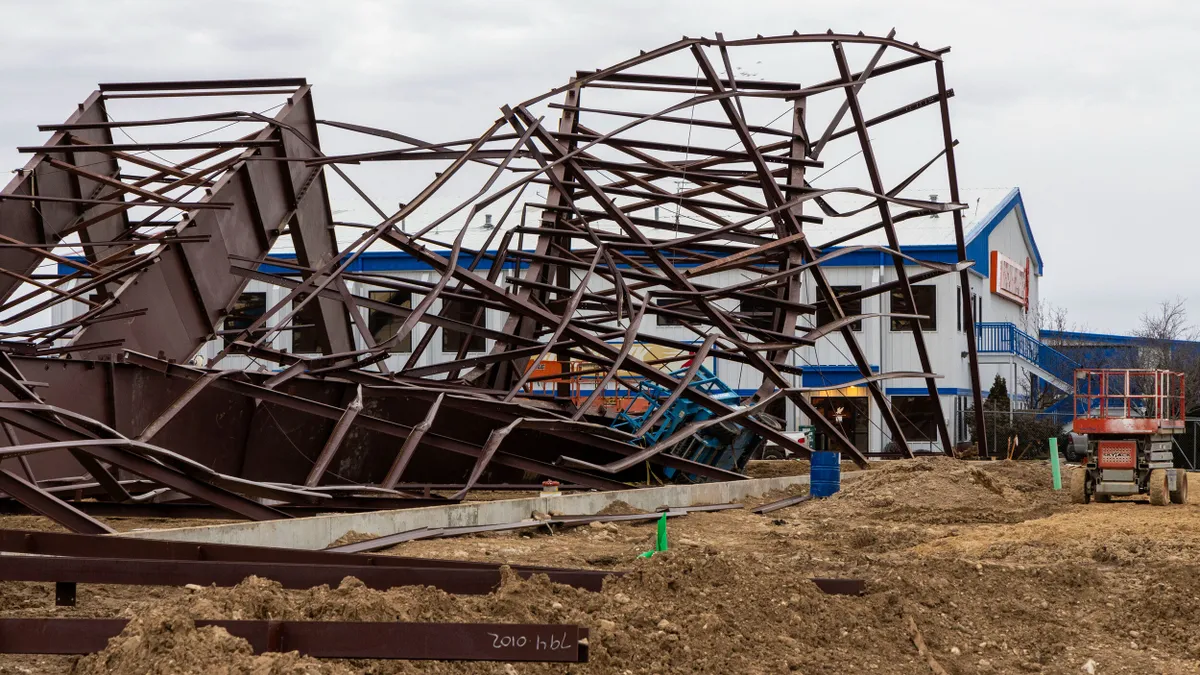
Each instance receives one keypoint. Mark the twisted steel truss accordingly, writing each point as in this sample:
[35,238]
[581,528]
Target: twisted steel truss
[170,233]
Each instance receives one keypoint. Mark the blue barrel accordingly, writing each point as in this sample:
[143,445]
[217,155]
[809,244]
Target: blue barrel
[825,473]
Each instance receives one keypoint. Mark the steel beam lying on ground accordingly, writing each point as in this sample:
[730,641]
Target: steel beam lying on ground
[107,547]
[329,639]
[134,572]
[781,504]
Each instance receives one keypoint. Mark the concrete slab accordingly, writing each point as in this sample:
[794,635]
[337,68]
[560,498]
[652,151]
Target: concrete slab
[319,531]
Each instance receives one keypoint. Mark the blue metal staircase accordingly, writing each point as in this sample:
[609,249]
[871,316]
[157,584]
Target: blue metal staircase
[1002,342]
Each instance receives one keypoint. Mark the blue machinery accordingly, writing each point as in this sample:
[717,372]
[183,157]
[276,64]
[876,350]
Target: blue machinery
[725,446]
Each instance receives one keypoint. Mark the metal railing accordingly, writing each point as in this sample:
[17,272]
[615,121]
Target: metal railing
[1124,393]
[1006,338]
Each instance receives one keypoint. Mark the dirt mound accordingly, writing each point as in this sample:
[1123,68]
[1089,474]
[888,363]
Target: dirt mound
[619,508]
[352,537]
[941,490]
[774,468]
[664,616]
[669,612]
[166,640]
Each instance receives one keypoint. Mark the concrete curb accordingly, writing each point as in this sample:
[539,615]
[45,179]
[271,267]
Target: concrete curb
[317,532]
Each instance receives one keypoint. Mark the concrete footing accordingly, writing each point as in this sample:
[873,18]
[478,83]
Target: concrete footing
[319,531]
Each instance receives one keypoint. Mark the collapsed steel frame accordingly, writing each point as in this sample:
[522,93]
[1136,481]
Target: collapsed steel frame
[110,395]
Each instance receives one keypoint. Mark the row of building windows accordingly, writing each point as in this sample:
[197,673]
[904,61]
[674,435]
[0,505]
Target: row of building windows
[251,305]
[383,325]
[761,313]
[917,416]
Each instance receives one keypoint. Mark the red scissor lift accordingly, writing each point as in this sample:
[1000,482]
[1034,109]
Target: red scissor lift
[1130,418]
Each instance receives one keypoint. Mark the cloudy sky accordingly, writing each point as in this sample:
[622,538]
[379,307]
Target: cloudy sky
[1087,106]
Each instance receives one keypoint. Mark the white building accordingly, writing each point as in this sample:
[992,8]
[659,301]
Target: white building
[1004,288]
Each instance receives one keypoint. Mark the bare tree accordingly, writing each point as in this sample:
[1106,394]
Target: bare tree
[1170,343]
[1167,321]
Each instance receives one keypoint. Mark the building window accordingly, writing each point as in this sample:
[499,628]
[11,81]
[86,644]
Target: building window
[452,340]
[850,414]
[665,319]
[850,307]
[926,297]
[958,309]
[758,313]
[248,309]
[977,303]
[961,405]
[917,416]
[304,340]
[383,326]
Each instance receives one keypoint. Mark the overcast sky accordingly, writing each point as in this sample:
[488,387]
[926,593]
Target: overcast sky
[1088,106]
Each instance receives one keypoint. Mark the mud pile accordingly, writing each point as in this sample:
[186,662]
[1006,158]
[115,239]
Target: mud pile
[165,640]
[941,490]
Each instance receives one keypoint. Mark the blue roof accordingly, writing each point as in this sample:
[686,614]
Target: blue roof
[1108,339]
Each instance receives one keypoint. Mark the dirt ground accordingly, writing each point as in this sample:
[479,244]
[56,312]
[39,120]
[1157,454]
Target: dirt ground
[994,571]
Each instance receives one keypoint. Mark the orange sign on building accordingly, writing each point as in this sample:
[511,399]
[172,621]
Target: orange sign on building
[1009,279]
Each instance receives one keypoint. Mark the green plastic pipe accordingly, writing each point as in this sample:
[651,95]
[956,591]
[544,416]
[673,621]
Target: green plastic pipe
[1055,470]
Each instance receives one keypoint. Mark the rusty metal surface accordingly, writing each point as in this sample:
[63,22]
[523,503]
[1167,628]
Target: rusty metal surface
[134,572]
[89,546]
[171,233]
[329,639]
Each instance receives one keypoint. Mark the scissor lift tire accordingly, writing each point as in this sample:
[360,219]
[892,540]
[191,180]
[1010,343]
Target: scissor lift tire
[1159,494]
[1180,494]
[1078,485]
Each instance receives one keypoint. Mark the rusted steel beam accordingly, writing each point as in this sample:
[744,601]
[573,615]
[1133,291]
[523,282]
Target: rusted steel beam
[134,572]
[144,147]
[12,380]
[513,642]
[180,403]
[410,444]
[199,511]
[232,116]
[194,85]
[48,505]
[781,504]
[380,425]
[186,206]
[321,464]
[489,450]
[139,465]
[91,546]
[964,279]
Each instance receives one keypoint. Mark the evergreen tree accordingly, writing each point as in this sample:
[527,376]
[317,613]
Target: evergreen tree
[997,399]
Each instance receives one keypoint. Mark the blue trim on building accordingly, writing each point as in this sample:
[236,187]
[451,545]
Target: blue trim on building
[942,253]
[831,376]
[922,391]
[977,250]
[977,238]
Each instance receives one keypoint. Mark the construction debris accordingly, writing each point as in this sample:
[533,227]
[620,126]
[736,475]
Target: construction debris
[158,239]
[156,389]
